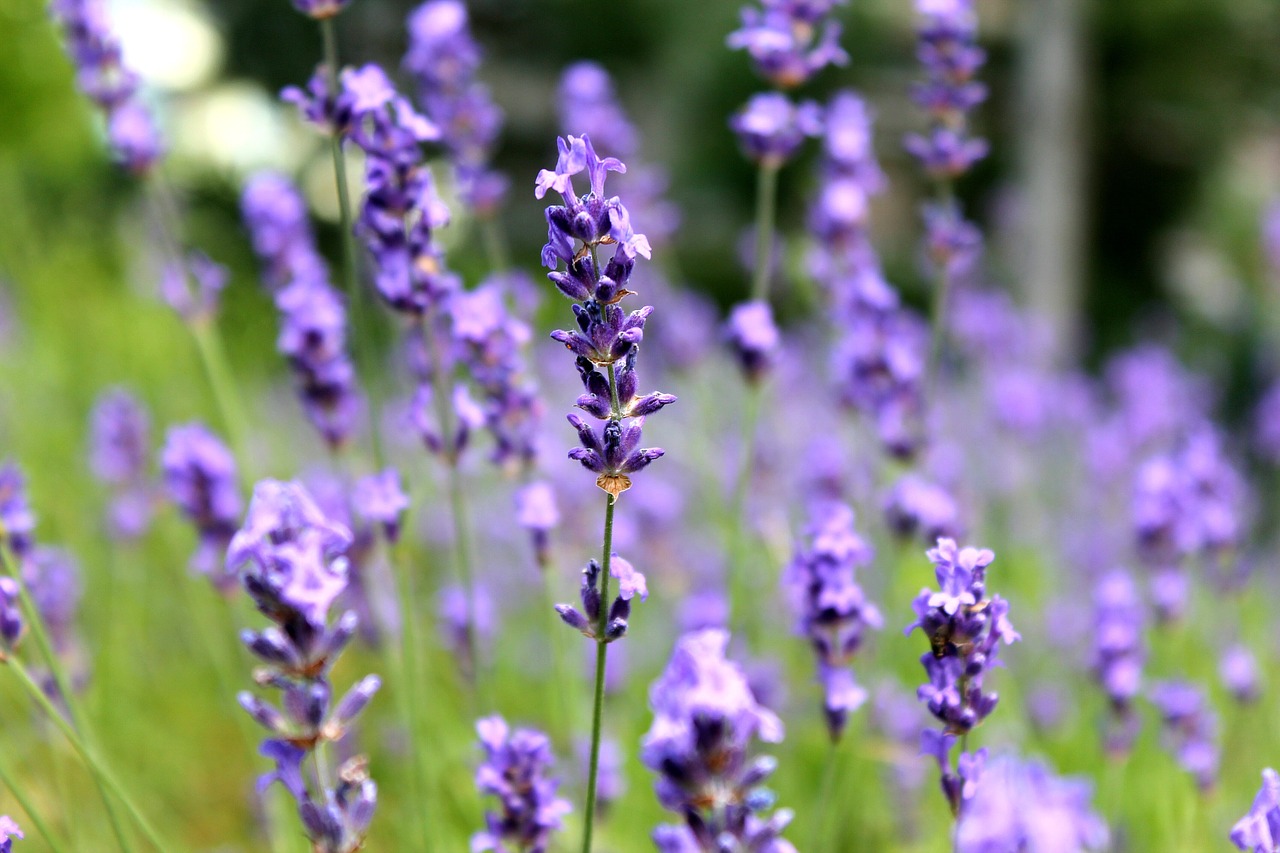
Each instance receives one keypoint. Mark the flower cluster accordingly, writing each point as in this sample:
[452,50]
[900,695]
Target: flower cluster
[200,478]
[102,76]
[1118,653]
[1238,670]
[118,454]
[790,40]
[443,59]
[193,287]
[1259,830]
[17,521]
[290,558]
[965,628]
[705,719]
[831,610]
[917,507]
[1191,729]
[515,770]
[630,584]
[606,336]
[771,128]
[313,326]
[1024,806]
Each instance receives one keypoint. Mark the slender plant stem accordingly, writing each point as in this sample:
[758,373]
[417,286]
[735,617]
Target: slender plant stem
[409,676]
[766,216]
[816,835]
[214,358]
[350,278]
[27,806]
[63,684]
[938,308]
[740,586]
[602,651]
[96,765]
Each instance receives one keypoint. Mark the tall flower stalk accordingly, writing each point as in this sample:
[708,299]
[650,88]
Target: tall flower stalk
[605,345]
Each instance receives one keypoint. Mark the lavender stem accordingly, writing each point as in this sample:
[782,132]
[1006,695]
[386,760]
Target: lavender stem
[350,279]
[602,651]
[27,806]
[766,216]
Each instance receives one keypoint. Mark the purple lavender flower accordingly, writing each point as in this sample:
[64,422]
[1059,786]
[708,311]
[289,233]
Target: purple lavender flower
[1023,806]
[200,477]
[516,770]
[950,57]
[606,337]
[320,9]
[462,616]
[102,75]
[789,41]
[1259,830]
[589,105]
[1190,728]
[830,608]
[378,498]
[965,628]
[1271,234]
[291,558]
[276,217]
[771,128]
[12,624]
[917,507]
[9,830]
[443,59]
[753,337]
[52,578]
[17,521]
[705,719]
[630,584]
[118,452]
[193,287]
[1118,653]
[1238,669]
[1266,421]
[536,511]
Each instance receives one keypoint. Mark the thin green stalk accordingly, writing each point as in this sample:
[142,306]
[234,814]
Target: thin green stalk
[33,814]
[214,358]
[602,651]
[740,586]
[766,216]
[351,282]
[95,764]
[63,684]
[409,677]
[938,307]
[816,834]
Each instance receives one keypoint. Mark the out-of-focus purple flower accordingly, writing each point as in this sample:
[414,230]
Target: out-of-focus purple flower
[119,439]
[463,616]
[1259,830]
[276,217]
[9,830]
[102,75]
[17,521]
[919,508]
[705,719]
[1238,669]
[378,498]
[789,41]
[950,57]
[589,105]
[753,337]
[588,620]
[1023,806]
[516,770]
[1118,653]
[1271,234]
[1190,728]
[1266,422]
[831,610]
[193,287]
[52,578]
[12,624]
[200,477]
[320,9]
[965,628]
[443,59]
[536,511]
[771,128]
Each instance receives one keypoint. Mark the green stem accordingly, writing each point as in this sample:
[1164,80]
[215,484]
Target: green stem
[96,766]
[409,679]
[355,294]
[938,308]
[740,586]
[214,359]
[33,814]
[766,215]
[63,684]
[816,835]
[602,651]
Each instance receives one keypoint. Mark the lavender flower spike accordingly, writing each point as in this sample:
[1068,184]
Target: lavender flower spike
[515,771]
[789,41]
[830,607]
[1190,729]
[1023,806]
[9,830]
[118,454]
[630,584]
[17,521]
[1259,830]
[200,477]
[705,719]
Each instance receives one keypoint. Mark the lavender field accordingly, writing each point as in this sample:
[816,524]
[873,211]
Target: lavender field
[565,426]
